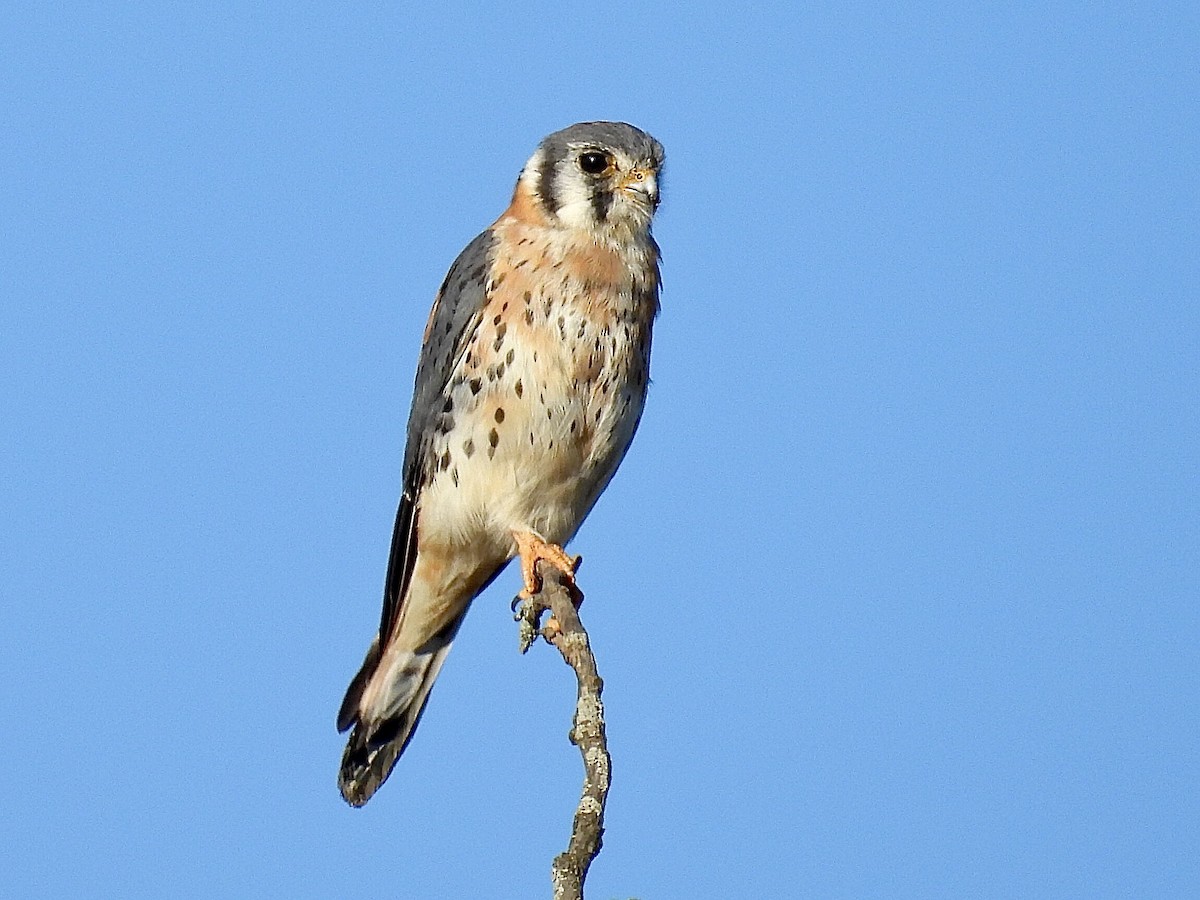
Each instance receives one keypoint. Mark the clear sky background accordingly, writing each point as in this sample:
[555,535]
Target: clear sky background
[895,594]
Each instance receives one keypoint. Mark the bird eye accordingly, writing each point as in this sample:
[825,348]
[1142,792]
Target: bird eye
[593,162]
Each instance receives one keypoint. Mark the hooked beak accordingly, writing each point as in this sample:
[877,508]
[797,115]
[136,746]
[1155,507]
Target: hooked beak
[643,183]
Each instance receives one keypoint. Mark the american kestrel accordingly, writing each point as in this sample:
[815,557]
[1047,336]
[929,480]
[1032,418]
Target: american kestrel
[530,385]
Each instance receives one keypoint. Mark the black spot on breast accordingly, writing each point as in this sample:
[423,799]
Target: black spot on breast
[469,448]
[448,406]
[520,388]
[499,414]
[529,317]
[528,298]
[512,354]
[445,461]
[476,385]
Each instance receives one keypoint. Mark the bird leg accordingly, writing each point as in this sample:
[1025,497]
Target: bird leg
[533,549]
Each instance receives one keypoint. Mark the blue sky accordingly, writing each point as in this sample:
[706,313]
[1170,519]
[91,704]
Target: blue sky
[895,594]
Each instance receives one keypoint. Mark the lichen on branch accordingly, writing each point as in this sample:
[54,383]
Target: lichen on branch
[565,631]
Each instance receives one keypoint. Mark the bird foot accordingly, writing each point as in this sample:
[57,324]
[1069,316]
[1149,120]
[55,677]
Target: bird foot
[533,550]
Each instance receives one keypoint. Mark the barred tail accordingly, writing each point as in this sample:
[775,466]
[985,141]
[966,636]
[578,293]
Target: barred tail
[375,746]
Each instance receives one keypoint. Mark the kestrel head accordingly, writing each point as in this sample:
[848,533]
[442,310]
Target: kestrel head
[597,177]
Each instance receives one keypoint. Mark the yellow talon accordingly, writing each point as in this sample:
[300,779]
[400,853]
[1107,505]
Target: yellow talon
[533,549]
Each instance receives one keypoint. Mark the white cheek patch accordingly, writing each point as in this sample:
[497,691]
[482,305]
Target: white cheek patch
[573,198]
[530,173]
[569,197]
[569,193]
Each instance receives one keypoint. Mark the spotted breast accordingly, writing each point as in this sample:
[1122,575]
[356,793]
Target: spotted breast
[532,379]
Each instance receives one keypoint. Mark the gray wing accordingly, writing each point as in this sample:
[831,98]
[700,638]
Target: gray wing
[457,312]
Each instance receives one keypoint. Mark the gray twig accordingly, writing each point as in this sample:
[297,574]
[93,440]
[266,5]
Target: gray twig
[566,632]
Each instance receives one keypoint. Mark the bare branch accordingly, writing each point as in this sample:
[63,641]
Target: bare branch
[566,632]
